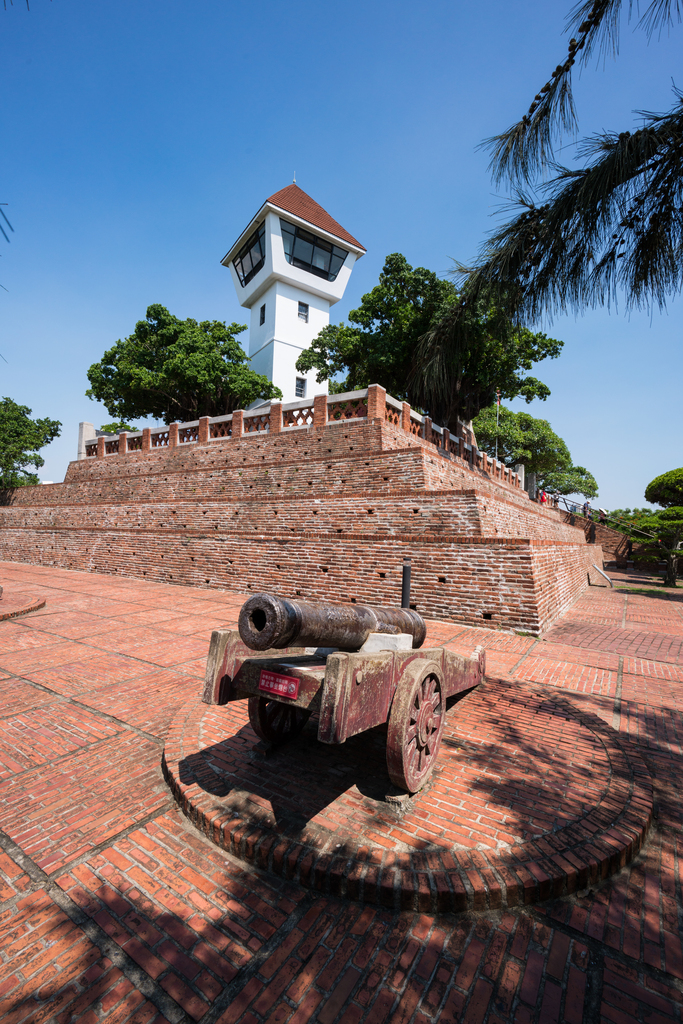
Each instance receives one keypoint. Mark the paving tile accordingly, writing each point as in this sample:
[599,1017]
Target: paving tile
[47,733]
[58,811]
[109,660]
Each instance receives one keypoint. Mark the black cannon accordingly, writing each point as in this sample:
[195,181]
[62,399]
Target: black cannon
[356,666]
[271,622]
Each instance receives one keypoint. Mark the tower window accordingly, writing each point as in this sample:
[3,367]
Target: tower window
[308,252]
[262,315]
[300,389]
[303,312]
[251,256]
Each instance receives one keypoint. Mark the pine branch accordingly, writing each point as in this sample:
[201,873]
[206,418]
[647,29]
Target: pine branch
[615,224]
[526,148]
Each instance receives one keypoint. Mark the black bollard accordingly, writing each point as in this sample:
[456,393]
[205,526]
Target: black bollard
[405,584]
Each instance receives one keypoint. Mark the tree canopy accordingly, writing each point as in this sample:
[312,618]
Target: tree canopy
[21,439]
[378,344]
[524,438]
[177,370]
[382,344]
[613,224]
[117,427]
[666,489]
[666,526]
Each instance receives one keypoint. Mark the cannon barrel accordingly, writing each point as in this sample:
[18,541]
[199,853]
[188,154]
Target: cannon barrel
[267,621]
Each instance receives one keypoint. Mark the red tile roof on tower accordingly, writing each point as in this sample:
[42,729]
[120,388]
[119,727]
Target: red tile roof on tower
[294,200]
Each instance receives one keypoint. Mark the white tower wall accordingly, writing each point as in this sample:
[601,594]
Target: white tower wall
[276,344]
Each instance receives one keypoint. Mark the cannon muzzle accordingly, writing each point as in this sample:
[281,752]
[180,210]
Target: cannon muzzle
[267,621]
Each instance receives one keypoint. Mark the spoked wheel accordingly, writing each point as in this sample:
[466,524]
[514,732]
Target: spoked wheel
[416,724]
[274,721]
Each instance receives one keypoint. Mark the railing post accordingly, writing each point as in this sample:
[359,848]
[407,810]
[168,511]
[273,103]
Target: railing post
[173,435]
[320,410]
[275,418]
[405,417]
[237,423]
[377,402]
[100,447]
[146,439]
[123,442]
[427,428]
[203,430]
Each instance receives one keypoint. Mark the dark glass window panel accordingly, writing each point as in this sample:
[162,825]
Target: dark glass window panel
[336,263]
[303,251]
[288,242]
[251,256]
[308,252]
[321,259]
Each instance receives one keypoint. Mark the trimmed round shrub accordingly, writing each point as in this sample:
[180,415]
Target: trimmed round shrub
[666,489]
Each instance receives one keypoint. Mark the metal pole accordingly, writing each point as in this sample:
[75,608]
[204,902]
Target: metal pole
[497,415]
[405,584]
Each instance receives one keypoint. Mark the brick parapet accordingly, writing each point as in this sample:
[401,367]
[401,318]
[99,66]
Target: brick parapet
[273,510]
[373,439]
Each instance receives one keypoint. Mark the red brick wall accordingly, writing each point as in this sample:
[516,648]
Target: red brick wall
[614,544]
[327,512]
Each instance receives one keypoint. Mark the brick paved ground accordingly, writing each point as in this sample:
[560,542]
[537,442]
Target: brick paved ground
[113,908]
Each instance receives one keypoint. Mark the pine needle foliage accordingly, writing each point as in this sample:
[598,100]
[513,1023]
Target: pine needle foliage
[613,226]
[526,148]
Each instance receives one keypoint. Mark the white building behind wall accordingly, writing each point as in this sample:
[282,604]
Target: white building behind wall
[289,266]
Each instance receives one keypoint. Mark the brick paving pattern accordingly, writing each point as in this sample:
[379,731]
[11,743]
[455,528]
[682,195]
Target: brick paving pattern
[113,907]
[529,797]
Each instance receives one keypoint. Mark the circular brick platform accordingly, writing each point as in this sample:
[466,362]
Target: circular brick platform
[18,602]
[531,798]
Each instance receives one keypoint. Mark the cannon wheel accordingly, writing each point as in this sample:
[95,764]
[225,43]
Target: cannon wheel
[416,723]
[274,721]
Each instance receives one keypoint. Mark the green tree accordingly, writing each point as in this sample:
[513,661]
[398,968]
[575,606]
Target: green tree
[382,345]
[666,489]
[575,480]
[613,224]
[524,438]
[666,526]
[177,370]
[21,438]
[378,344]
[116,427]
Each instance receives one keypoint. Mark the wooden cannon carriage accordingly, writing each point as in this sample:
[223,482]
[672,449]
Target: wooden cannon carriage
[357,666]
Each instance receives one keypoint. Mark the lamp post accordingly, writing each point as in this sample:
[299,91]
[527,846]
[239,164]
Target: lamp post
[497,417]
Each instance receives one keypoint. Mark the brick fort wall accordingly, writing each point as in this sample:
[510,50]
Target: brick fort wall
[322,512]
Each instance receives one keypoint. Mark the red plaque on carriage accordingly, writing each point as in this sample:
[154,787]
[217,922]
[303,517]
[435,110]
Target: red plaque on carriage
[279,686]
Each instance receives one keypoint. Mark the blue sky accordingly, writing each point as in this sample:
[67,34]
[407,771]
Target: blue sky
[140,137]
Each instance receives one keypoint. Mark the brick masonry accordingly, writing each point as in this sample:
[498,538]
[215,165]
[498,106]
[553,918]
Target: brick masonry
[485,833]
[316,512]
[114,909]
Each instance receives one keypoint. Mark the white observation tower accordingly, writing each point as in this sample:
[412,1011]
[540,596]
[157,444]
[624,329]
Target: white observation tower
[289,265]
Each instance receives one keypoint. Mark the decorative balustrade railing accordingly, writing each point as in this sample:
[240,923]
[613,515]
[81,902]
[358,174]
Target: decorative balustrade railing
[220,427]
[255,423]
[352,406]
[273,417]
